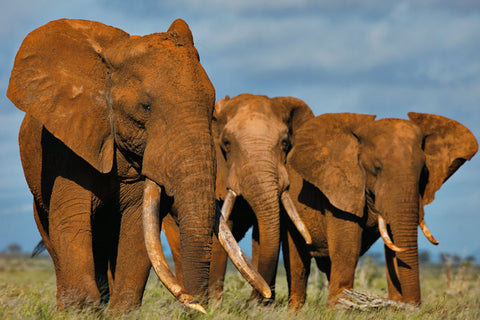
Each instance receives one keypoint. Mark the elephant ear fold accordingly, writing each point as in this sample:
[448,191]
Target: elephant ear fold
[60,78]
[447,145]
[218,121]
[326,154]
[180,30]
[296,112]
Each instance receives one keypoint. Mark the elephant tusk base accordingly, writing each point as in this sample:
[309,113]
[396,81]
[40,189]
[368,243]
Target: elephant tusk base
[228,203]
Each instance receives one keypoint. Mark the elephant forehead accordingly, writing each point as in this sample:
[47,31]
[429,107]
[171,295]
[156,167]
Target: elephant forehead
[255,123]
[394,129]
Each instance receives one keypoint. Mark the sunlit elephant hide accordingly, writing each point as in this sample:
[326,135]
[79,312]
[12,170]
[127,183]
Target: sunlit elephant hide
[117,130]
[354,179]
[252,138]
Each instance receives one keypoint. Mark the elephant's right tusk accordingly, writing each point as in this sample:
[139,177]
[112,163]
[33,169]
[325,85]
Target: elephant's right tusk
[386,238]
[293,214]
[228,203]
[151,231]
[427,232]
[228,242]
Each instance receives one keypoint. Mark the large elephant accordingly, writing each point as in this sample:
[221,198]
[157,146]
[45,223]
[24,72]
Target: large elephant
[354,179]
[253,137]
[117,131]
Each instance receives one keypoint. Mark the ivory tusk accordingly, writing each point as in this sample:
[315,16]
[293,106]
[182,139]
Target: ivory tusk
[151,231]
[386,238]
[228,203]
[427,232]
[228,242]
[294,216]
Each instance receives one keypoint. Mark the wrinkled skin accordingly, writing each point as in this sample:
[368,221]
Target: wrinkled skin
[104,111]
[252,136]
[347,169]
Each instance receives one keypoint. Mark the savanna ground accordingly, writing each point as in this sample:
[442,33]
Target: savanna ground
[27,291]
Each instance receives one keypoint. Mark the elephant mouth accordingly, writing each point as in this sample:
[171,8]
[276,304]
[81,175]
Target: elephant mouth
[287,202]
[382,227]
[152,221]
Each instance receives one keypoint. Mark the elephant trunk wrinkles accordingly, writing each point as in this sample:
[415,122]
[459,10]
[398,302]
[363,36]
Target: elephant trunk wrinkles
[261,191]
[193,174]
[402,214]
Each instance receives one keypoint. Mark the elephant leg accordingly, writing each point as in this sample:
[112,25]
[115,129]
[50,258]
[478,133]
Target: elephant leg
[218,267]
[255,296]
[392,271]
[132,266]
[297,265]
[70,234]
[105,225]
[344,243]
[41,219]
[172,233]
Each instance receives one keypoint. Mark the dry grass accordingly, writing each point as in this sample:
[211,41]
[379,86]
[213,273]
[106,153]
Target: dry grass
[27,291]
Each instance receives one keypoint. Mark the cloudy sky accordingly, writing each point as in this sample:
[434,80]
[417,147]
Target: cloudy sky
[379,57]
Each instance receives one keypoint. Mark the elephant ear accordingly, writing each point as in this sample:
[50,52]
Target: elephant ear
[60,78]
[447,145]
[222,170]
[326,154]
[179,28]
[296,112]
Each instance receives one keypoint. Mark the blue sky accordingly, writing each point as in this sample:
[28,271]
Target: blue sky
[378,57]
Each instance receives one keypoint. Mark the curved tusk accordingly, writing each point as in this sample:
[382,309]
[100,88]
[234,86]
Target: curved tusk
[151,231]
[228,242]
[228,203]
[386,238]
[427,232]
[294,216]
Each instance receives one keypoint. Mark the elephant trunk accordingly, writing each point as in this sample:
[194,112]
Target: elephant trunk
[402,214]
[261,191]
[185,167]
[194,202]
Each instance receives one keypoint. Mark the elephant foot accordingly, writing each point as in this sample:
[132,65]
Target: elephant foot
[75,299]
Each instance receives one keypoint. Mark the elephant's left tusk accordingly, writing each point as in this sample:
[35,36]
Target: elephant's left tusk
[386,238]
[427,232]
[294,216]
[228,203]
[151,231]
[228,242]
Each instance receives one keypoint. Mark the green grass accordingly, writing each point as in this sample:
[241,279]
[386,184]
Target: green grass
[27,291]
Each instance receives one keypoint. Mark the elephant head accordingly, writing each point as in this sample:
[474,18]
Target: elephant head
[391,167]
[253,135]
[136,107]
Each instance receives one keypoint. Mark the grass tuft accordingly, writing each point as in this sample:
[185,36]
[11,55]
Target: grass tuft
[27,291]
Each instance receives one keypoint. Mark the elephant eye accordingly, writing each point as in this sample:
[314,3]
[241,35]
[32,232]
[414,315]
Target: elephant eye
[286,144]
[225,144]
[146,106]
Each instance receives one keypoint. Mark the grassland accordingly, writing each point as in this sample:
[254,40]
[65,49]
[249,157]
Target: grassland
[27,291]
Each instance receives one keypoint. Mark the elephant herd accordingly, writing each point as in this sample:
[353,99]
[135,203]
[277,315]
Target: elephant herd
[122,138]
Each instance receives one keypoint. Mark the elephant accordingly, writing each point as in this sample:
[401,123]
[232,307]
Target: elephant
[116,133]
[252,138]
[354,179]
